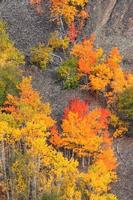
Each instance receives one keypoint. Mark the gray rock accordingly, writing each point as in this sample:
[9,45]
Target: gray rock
[112,21]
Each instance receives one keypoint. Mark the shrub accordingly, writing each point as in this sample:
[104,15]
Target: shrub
[10,59]
[56,42]
[68,73]
[119,126]
[9,54]
[125,103]
[41,55]
[2,91]
[9,78]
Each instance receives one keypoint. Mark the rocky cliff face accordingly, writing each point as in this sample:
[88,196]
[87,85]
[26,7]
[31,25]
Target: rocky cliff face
[112,21]
[25,26]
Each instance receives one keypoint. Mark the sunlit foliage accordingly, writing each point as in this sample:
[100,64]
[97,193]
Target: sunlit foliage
[85,136]
[65,10]
[10,60]
[105,75]
[104,72]
[56,42]
[41,55]
[24,133]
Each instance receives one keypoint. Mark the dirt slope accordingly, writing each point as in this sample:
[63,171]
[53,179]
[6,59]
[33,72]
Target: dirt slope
[112,20]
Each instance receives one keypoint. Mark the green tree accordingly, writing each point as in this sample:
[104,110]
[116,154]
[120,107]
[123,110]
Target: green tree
[125,104]
[68,73]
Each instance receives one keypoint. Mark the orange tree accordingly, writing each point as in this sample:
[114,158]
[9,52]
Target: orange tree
[85,134]
[104,72]
[83,130]
[66,11]
[105,75]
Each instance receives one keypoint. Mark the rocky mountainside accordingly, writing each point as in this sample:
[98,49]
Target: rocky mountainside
[112,21]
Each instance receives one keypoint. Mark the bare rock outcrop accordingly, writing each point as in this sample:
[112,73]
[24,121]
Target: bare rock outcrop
[112,21]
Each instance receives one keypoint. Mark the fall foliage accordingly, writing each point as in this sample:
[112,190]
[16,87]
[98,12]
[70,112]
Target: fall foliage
[70,159]
[104,72]
[85,135]
[41,55]
[56,42]
[66,12]
[23,134]
[68,9]
[72,33]
[105,75]
[83,129]
[10,60]
[25,129]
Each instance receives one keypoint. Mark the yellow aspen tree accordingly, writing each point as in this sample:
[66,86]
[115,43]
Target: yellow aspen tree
[25,127]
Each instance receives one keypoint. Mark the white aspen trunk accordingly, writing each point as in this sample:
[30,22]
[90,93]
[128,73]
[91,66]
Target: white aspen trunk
[34,187]
[9,169]
[83,162]
[34,180]
[89,160]
[37,179]
[28,193]
[62,25]
[69,154]
[72,154]
[66,153]
[4,166]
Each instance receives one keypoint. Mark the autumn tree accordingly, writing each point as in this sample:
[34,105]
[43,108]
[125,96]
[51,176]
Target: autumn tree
[99,177]
[102,172]
[41,55]
[10,60]
[82,129]
[72,33]
[57,42]
[85,135]
[26,129]
[65,13]
[68,9]
[30,166]
[105,74]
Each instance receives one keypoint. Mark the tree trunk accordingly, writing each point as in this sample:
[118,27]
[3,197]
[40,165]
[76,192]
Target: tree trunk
[83,162]
[5,167]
